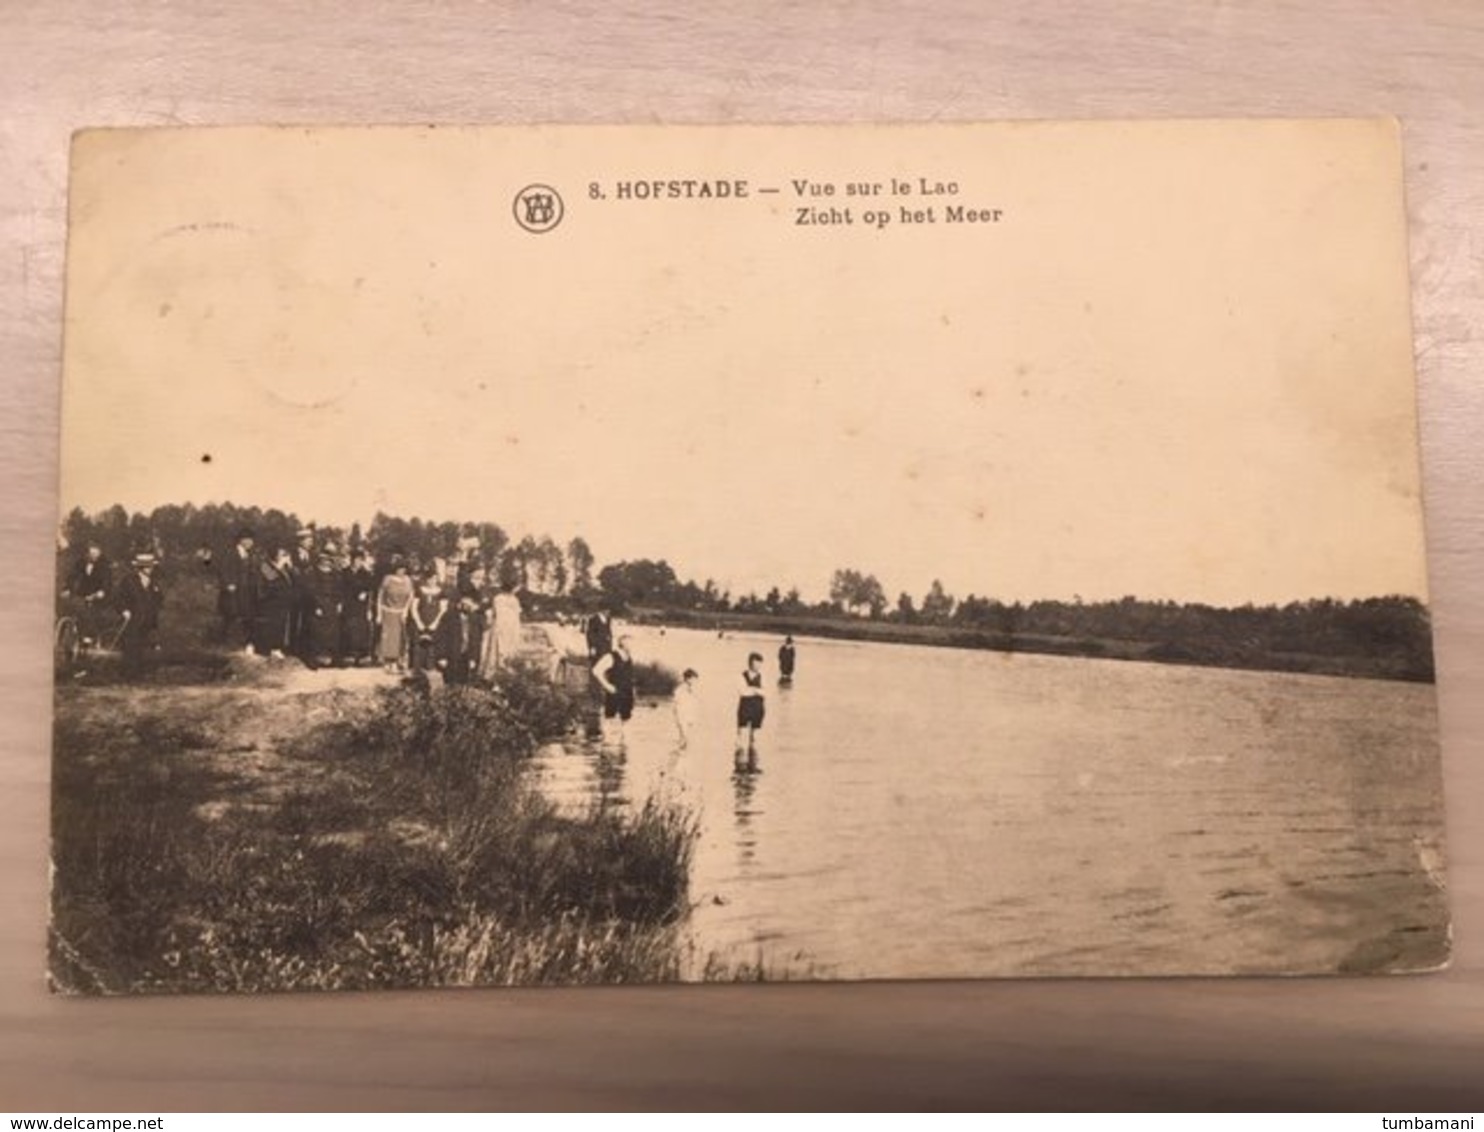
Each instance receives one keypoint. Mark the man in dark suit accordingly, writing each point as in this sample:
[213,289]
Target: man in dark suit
[90,582]
[140,599]
[301,564]
[236,591]
[599,633]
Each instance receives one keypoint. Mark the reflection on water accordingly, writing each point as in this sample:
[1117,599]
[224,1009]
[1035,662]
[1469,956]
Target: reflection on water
[745,811]
[929,812]
[608,771]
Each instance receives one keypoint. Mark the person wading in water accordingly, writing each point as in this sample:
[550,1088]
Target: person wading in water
[749,715]
[786,659]
[687,707]
[614,673]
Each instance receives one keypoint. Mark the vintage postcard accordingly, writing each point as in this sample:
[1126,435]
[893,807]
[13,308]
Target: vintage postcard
[630,554]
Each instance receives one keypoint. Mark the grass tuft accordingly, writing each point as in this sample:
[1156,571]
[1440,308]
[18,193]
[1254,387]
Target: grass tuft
[410,851]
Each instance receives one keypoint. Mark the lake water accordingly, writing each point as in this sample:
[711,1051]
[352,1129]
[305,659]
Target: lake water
[938,812]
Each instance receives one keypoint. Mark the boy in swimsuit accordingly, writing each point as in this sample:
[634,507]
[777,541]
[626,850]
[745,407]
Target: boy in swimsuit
[750,711]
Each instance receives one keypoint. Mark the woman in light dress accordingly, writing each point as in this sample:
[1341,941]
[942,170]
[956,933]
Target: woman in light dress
[393,601]
[502,642]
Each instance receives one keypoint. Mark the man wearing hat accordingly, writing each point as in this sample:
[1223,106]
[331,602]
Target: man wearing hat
[301,561]
[237,590]
[140,599]
[89,583]
[303,552]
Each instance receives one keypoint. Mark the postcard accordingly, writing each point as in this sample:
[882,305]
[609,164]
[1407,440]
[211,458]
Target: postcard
[549,555]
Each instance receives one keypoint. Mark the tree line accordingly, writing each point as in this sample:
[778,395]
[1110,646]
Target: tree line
[1393,627]
[1391,633]
[179,532]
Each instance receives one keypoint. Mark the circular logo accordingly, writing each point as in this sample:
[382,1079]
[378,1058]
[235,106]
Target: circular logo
[538,208]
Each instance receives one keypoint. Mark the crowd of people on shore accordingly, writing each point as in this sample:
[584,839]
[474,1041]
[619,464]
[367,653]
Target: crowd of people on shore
[329,607]
[318,603]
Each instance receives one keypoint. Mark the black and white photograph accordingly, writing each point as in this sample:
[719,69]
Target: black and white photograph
[646,554]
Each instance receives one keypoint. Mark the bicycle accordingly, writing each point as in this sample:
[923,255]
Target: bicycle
[80,629]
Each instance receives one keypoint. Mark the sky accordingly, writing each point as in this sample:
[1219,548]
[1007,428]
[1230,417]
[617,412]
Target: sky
[1179,366]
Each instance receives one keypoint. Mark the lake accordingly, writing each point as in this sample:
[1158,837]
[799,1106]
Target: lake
[933,812]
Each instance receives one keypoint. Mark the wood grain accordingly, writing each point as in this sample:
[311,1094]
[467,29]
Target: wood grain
[1379,1044]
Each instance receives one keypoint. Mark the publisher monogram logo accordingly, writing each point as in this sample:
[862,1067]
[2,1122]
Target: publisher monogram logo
[538,208]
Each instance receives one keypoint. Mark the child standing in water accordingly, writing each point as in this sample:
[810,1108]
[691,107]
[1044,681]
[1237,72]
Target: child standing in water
[687,706]
[749,715]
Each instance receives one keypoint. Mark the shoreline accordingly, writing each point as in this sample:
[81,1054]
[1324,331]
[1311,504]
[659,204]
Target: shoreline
[277,828]
[1215,655]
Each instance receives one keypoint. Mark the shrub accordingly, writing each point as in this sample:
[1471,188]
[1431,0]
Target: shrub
[410,852]
[654,679]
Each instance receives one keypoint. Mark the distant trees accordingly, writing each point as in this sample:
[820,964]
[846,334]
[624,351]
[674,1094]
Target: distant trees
[1393,628]
[175,530]
[492,539]
[857,593]
[553,568]
[580,559]
[654,583]
[906,611]
[937,605]
[427,539]
[520,565]
[749,603]
[641,582]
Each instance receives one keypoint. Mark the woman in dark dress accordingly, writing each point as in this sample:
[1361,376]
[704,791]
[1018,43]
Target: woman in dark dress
[429,609]
[357,608]
[274,605]
[474,616]
[322,612]
[453,634]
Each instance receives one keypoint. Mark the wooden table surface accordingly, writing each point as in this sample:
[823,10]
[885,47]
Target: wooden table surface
[1392,1044]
